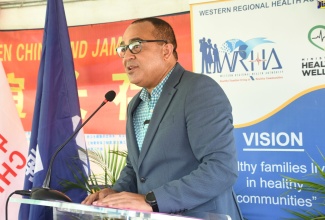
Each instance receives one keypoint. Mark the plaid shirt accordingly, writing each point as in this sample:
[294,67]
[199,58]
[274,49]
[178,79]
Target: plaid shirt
[143,113]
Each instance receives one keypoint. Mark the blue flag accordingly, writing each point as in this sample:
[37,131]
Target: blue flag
[56,116]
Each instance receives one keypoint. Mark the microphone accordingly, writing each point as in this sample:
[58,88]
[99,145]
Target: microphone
[44,192]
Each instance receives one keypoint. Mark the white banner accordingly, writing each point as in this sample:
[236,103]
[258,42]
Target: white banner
[269,58]
[13,148]
[262,44]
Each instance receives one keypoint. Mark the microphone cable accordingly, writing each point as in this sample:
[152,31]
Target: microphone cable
[19,192]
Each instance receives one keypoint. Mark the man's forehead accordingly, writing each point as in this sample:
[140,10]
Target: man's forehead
[137,31]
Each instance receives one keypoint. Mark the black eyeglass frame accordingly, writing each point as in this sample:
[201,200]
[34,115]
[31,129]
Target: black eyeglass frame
[125,47]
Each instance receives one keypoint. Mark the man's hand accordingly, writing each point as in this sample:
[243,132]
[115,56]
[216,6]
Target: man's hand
[124,200]
[97,196]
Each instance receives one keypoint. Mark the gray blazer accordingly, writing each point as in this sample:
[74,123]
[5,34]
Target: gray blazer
[188,157]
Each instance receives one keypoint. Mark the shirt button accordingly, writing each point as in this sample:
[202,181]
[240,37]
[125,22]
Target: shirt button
[142,179]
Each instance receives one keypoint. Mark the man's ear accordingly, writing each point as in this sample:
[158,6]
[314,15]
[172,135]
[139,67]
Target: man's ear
[168,50]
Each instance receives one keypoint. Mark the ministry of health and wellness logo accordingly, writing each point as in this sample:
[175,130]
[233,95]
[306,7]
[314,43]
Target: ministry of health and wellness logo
[316,36]
[315,66]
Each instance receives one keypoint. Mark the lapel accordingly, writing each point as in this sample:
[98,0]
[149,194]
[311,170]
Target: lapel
[166,97]
[133,145]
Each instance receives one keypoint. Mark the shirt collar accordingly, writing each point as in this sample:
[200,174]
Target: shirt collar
[145,95]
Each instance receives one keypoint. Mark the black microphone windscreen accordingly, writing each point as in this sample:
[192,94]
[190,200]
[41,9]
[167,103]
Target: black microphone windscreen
[110,96]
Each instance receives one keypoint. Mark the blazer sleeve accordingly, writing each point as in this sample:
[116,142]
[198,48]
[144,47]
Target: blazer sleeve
[127,180]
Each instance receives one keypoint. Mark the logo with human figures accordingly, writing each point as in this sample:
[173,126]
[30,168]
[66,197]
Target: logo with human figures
[239,58]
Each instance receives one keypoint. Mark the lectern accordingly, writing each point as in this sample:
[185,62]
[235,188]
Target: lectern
[66,210]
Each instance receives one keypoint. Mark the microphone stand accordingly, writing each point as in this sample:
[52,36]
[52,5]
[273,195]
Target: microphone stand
[44,192]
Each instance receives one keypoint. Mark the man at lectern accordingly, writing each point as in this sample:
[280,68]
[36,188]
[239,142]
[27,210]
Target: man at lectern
[181,149]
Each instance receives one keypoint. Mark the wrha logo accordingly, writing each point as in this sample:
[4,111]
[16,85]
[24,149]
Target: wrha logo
[236,55]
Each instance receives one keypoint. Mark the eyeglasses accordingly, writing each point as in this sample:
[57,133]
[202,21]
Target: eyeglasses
[134,47]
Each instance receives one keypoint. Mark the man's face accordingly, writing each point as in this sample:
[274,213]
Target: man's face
[147,68]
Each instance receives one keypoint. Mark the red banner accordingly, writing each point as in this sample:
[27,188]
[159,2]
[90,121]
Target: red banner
[98,69]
